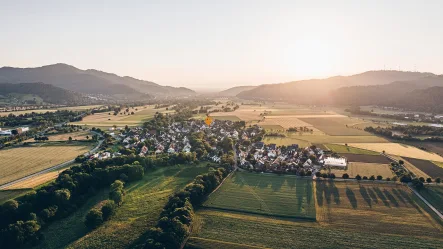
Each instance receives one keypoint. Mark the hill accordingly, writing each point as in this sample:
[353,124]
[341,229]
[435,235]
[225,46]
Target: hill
[425,94]
[315,90]
[235,90]
[86,81]
[45,92]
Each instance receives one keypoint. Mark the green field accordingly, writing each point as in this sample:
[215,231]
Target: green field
[265,194]
[141,208]
[349,215]
[11,194]
[434,195]
[273,127]
[348,149]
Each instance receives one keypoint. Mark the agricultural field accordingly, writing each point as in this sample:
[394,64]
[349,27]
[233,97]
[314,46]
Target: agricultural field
[286,122]
[11,194]
[336,126]
[427,167]
[279,141]
[27,111]
[286,196]
[338,148]
[141,208]
[399,150]
[16,163]
[273,128]
[79,135]
[434,195]
[409,166]
[34,181]
[365,169]
[80,107]
[230,118]
[439,164]
[307,139]
[366,158]
[141,114]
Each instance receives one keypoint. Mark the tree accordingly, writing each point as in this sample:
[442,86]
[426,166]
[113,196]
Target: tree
[358,177]
[388,179]
[345,176]
[421,179]
[401,162]
[87,137]
[438,180]
[372,178]
[317,174]
[417,184]
[108,209]
[379,177]
[94,218]
[70,139]
[117,197]
[365,178]
[428,180]
[11,205]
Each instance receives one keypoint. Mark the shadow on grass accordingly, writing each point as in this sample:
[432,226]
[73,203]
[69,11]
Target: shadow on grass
[382,196]
[391,198]
[365,195]
[351,196]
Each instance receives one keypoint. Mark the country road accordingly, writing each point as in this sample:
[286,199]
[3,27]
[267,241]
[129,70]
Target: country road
[59,166]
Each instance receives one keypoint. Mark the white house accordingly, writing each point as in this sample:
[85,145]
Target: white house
[336,162]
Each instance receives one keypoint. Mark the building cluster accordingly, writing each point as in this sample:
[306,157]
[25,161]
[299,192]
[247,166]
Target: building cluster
[291,159]
[16,131]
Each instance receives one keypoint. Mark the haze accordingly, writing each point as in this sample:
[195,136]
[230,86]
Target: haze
[219,44]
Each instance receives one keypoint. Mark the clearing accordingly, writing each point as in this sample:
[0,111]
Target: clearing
[141,208]
[286,196]
[365,169]
[399,150]
[19,162]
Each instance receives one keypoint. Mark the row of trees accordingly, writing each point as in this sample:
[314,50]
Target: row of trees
[177,215]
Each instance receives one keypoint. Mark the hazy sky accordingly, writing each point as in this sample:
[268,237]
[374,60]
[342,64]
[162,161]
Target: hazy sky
[204,44]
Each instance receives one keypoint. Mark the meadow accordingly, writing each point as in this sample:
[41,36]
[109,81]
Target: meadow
[141,208]
[286,196]
[427,167]
[349,215]
[364,169]
[79,135]
[19,162]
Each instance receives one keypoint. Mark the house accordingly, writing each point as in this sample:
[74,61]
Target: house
[335,162]
[187,148]
[259,145]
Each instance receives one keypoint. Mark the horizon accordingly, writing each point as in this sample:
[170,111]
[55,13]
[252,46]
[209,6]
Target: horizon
[206,44]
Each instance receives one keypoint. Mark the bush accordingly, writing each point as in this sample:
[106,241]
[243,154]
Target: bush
[358,177]
[108,209]
[94,218]
[345,176]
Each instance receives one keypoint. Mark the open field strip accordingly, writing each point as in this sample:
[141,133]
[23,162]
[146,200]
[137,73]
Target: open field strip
[434,195]
[307,139]
[440,164]
[143,203]
[11,194]
[409,166]
[427,167]
[27,111]
[16,163]
[34,181]
[286,122]
[338,148]
[364,169]
[265,194]
[335,126]
[80,107]
[79,135]
[399,150]
[230,118]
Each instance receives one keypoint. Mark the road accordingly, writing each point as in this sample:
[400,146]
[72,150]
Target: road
[426,202]
[59,166]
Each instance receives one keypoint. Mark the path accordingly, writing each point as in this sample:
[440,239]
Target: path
[59,166]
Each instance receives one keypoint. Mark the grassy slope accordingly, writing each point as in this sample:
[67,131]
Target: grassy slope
[142,206]
[347,149]
[434,195]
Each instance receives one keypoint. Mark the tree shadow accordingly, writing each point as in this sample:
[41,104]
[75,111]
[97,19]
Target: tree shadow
[335,193]
[409,200]
[365,195]
[372,195]
[351,196]
[391,198]
[291,182]
[277,183]
[398,195]
[382,196]
[309,192]
[319,188]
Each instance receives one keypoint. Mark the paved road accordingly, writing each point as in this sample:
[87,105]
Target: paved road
[59,166]
[426,202]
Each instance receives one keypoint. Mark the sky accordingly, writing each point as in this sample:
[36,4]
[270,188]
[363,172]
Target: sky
[219,44]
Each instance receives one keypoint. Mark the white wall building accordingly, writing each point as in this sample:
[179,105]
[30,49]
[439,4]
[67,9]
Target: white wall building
[336,162]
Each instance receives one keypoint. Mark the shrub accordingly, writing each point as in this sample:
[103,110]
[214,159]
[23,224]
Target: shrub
[345,176]
[94,218]
[108,209]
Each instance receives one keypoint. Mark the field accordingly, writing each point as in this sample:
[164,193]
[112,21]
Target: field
[141,208]
[439,164]
[34,181]
[399,150]
[27,111]
[338,148]
[434,195]
[80,107]
[365,169]
[307,139]
[427,167]
[80,135]
[409,166]
[20,162]
[11,194]
[230,118]
[286,141]
[274,128]
[286,196]
[336,126]
[142,114]
[367,158]
[349,215]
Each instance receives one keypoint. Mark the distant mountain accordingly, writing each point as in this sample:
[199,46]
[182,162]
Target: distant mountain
[235,90]
[87,81]
[315,90]
[424,94]
[48,93]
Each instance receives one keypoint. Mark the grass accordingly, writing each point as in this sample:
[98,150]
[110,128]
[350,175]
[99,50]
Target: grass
[19,162]
[399,150]
[11,194]
[273,128]
[365,169]
[142,205]
[336,126]
[326,139]
[79,135]
[434,195]
[27,111]
[338,148]
[80,107]
[230,118]
[265,194]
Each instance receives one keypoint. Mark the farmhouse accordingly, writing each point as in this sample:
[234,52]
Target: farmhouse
[335,162]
